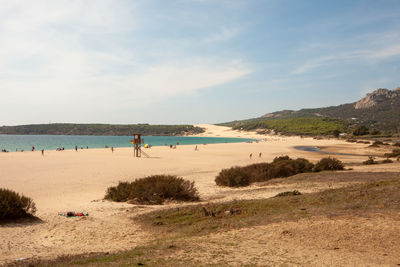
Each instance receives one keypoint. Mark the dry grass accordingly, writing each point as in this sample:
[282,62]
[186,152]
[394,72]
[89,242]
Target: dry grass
[377,192]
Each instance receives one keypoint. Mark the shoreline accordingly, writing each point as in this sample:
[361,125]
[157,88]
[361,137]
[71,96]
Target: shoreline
[166,140]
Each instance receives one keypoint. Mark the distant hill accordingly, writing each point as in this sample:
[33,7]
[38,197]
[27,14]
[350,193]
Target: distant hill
[100,129]
[379,110]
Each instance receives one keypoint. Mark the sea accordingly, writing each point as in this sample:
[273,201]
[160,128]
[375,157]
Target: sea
[53,142]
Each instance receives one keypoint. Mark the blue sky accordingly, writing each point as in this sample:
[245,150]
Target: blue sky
[190,61]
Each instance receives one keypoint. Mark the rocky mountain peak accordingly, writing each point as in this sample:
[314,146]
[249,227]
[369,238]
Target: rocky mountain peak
[376,97]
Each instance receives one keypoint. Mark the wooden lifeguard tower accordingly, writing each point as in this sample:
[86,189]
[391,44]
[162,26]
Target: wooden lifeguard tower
[137,142]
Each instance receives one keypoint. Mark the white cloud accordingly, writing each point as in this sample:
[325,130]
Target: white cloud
[387,52]
[225,34]
[68,55]
[363,54]
[313,64]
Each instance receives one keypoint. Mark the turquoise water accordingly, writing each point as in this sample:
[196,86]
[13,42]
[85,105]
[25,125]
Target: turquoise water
[52,142]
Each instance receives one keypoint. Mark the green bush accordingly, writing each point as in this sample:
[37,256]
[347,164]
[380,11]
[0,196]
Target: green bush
[282,166]
[280,158]
[14,205]
[395,153]
[119,193]
[289,193]
[387,161]
[361,130]
[303,165]
[370,161]
[376,144]
[233,177]
[289,167]
[154,190]
[328,164]
[375,132]
[258,172]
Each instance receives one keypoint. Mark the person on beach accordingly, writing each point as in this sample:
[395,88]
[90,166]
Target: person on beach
[33,148]
[196,148]
[112,149]
[251,155]
[259,155]
[76,148]
[42,152]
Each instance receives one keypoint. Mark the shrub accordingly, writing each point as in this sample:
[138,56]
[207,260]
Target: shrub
[303,165]
[289,193]
[387,161]
[285,166]
[361,130]
[282,166]
[375,132]
[258,172]
[395,153]
[280,158]
[336,133]
[328,164]
[119,193]
[376,144]
[14,205]
[370,161]
[233,177]
[154,190]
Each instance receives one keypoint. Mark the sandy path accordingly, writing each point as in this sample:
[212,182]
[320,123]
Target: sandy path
[69,180]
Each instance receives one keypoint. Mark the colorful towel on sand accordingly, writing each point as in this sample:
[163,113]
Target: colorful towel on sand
[74,214]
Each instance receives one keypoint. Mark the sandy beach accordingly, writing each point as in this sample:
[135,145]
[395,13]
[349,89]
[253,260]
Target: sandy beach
[63,181]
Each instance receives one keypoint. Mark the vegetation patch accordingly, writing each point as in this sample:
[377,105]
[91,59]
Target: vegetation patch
[361,130]
[376,144]
[233,177]
[387,161]
[357,199]
[154,190]
[177,226]
[280,167]
[289,193]
[370,161]
[329,164]
[294,126]
[395,153]
[15,206]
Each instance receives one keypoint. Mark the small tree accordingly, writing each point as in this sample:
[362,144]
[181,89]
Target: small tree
[361,130]
[336,133]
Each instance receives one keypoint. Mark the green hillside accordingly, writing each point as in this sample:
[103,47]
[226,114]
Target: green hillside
[379,110]
[293,126]
[100,129]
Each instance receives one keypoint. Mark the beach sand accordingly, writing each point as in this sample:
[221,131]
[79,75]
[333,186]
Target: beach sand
[63,181]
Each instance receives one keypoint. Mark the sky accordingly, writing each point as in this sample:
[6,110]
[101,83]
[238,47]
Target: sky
[190,61]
